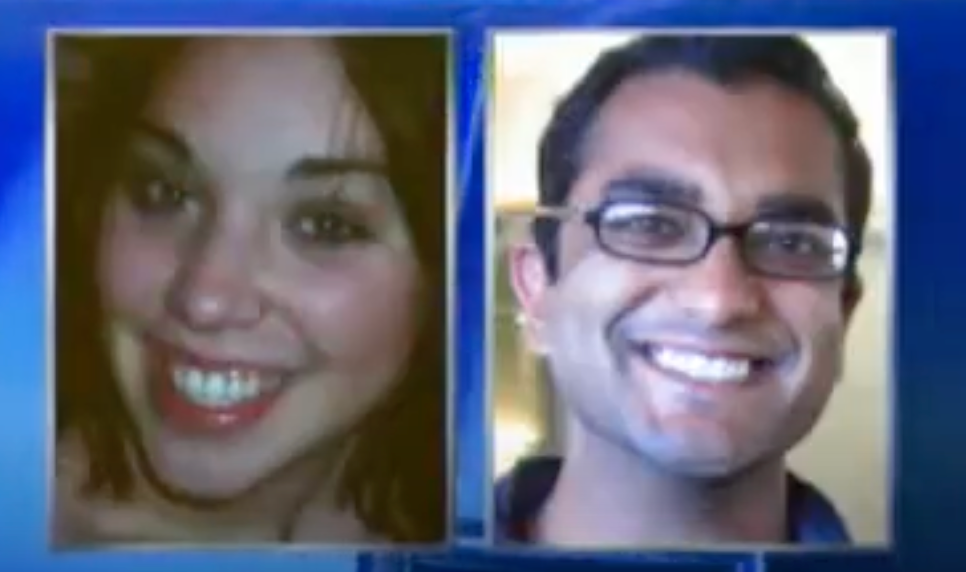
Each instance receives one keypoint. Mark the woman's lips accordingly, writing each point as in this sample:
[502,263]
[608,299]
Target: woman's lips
[206,396]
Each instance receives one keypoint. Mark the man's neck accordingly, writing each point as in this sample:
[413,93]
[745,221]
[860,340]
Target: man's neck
[606,496]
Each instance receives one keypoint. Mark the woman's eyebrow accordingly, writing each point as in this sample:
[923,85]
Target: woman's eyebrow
[363,180]
[312,167]
[170,140]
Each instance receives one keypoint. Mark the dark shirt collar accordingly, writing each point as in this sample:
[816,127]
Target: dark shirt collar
[521,495]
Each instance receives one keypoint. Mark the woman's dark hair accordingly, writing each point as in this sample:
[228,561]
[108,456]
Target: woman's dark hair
[395,476]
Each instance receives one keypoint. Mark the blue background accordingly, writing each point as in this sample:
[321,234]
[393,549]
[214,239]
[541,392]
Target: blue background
[929,356]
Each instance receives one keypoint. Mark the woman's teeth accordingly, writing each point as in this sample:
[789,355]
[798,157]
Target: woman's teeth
[701,367]
[221,388]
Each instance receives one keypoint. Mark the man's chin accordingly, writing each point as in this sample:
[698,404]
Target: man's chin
[701,468]
[690,460]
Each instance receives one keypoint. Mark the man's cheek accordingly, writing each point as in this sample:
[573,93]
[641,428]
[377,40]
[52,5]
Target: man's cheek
[829,348]
[583,357]
[581,309]
[819,327]
[597,285]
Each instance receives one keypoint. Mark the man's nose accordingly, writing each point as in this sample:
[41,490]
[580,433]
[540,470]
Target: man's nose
[216,286]
[718,289]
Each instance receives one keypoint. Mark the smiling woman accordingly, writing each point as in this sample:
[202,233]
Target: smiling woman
[250,273]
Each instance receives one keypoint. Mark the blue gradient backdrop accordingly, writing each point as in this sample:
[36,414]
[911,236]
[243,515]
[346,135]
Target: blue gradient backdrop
[929,357]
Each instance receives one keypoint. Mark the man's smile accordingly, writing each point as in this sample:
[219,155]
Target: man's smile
[704,365]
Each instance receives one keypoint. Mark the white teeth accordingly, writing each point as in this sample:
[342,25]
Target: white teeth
[220,389]
[701,367]
[216,388]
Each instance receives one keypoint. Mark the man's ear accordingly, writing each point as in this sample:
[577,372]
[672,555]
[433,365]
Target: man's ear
[851,296]
[530,280]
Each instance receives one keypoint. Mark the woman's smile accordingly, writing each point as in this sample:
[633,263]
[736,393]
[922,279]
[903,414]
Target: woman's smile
[203,395]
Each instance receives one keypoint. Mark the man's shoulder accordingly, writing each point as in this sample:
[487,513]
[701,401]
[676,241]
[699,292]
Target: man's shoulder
[521,494]
[813,518]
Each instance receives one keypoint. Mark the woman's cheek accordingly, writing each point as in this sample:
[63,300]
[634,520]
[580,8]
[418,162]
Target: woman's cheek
[365,311]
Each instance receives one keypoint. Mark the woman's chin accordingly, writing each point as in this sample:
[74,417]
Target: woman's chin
[194,489]
[203,479]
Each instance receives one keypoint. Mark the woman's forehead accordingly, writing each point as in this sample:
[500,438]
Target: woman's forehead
[263,102]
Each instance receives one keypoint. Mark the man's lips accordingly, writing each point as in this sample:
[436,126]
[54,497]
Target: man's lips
[703,364]
[709,351]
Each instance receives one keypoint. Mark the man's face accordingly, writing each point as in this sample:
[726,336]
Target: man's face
[639,351]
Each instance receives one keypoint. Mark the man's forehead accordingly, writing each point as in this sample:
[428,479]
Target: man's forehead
[674,91]
[752,138]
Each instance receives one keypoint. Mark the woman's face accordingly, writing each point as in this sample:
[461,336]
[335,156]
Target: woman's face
[259,279]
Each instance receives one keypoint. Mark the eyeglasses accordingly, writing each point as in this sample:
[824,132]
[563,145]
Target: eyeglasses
[670,234]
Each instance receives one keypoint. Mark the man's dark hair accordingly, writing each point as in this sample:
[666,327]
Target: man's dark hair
[726,60]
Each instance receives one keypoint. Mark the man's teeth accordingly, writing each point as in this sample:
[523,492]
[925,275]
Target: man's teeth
[221,389]
[701,367]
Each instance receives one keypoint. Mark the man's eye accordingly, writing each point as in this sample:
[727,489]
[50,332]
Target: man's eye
[328,229]
[646,225]
[795,243]
[655,225]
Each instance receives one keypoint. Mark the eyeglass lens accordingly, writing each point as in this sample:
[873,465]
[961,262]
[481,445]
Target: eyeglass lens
[665,233]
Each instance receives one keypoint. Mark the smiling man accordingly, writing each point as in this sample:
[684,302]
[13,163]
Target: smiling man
[690,282]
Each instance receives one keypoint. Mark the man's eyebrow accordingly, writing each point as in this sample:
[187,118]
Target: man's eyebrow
[797,207]
[657,185]
[311,167]
[653,185]
[167,138]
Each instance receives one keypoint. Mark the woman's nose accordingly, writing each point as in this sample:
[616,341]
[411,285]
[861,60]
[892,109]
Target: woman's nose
[216,286]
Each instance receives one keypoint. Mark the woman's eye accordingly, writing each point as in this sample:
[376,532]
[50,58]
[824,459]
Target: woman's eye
[155,195]
[329,229]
